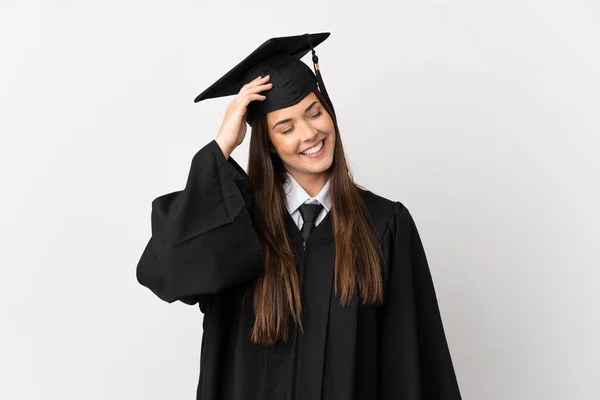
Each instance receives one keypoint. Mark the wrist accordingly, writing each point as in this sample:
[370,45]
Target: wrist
[227,150]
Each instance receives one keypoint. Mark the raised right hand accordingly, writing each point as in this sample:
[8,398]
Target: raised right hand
[233,129]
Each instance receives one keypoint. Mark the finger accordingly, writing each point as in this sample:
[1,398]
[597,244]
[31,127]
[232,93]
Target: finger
[244,99]
[257,81]
[261,79]
[259,88]
[251,97]
[255,89]
[251,82]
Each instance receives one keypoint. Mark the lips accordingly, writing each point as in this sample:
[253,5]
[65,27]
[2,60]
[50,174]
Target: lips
[313,146]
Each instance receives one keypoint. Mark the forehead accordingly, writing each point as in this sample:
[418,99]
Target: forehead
[291,111]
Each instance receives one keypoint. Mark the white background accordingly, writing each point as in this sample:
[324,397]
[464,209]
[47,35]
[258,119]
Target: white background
[482,117]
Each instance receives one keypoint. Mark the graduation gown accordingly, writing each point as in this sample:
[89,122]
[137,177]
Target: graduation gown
[204,250]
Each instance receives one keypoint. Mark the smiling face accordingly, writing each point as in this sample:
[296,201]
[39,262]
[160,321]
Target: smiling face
[304,126]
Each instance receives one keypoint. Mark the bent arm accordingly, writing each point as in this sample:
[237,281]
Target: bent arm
[203,241]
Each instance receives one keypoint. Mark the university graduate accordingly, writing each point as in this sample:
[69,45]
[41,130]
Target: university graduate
[312,287]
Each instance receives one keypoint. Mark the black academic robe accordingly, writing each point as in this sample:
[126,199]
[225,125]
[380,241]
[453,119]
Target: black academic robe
[204,250]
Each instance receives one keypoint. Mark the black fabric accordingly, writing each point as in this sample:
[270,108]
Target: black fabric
[309,214]
[280,58]
[204,250]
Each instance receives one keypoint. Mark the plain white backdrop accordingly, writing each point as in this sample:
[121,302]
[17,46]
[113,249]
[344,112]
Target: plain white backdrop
[482,117]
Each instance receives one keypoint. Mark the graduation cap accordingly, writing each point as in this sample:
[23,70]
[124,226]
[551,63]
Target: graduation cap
[280,58]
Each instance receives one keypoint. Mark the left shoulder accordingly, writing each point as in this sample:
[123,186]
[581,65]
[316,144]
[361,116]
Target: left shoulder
[383,211]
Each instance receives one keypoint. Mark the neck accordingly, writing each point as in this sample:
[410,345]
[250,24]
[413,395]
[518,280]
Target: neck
[311,183]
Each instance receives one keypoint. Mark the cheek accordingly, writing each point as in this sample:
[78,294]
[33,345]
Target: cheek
[326,125]
[280,142]
[288,145]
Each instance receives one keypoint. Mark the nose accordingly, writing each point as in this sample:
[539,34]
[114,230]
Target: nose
[309,133]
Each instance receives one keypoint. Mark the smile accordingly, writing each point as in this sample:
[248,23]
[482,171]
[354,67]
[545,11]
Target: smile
[315,151]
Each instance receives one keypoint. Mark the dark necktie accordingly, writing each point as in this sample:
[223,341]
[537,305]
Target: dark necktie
[309,214]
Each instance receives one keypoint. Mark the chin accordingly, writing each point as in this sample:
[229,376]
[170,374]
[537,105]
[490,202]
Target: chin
[318,169]
[309,171]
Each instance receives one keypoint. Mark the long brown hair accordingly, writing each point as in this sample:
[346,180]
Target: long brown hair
[357,254]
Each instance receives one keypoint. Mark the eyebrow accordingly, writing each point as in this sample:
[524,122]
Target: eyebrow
[283,121]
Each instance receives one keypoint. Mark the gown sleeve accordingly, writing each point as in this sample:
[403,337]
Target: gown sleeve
[203,241]
[414,358]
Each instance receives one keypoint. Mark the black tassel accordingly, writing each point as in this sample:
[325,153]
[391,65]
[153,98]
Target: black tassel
[320,82]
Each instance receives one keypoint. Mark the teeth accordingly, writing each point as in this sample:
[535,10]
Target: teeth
[314,150]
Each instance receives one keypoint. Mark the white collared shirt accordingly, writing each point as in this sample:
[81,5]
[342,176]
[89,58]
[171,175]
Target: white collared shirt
[295,196]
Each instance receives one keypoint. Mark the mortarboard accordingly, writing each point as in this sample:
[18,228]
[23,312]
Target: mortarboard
[280,58]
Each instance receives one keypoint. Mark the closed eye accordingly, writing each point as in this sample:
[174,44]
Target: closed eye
[311,117]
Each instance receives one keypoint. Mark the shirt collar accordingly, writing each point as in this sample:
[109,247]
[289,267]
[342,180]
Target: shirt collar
[295,195]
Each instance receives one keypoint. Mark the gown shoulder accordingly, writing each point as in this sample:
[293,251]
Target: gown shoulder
[382,210]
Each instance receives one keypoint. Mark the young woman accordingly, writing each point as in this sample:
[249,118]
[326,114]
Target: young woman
[312,287]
